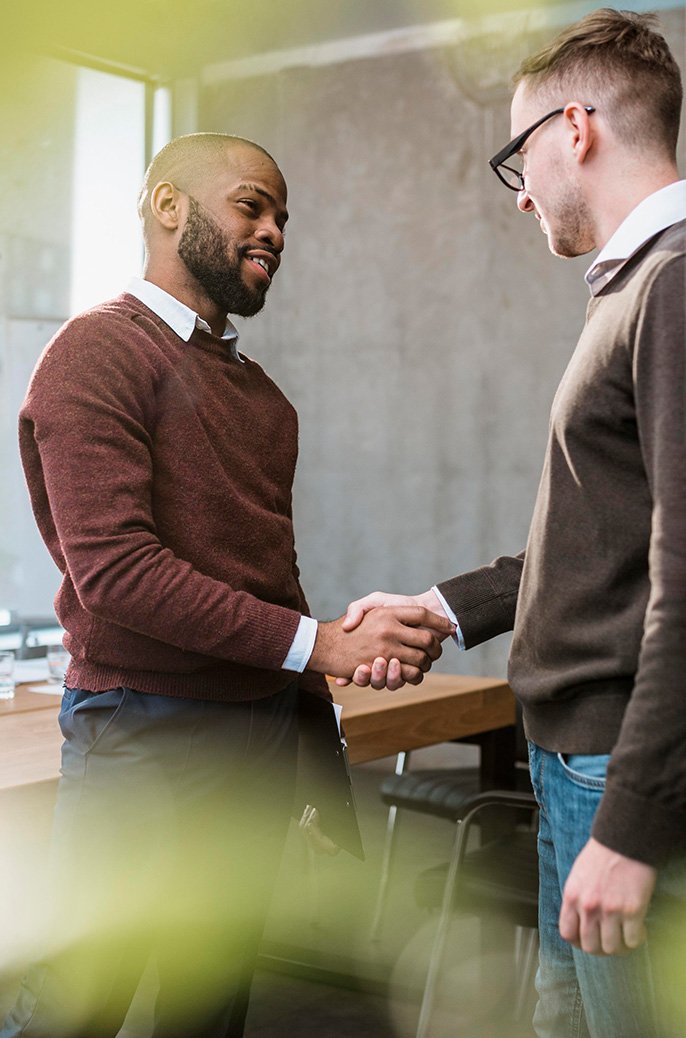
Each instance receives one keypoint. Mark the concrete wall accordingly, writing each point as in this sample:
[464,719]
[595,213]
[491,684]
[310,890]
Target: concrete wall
[418,322]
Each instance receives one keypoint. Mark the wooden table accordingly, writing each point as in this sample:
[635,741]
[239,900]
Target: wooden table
[377,724]
[30,738]
[444,707]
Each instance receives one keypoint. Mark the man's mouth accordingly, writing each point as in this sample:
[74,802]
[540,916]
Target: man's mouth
[265,263]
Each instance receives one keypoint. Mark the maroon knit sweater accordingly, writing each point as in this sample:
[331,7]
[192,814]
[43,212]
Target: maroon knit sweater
[160,474]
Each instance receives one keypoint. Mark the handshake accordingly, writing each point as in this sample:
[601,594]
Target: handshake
[382,640]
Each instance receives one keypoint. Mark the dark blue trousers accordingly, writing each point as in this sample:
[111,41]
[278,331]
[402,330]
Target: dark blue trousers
[170,820]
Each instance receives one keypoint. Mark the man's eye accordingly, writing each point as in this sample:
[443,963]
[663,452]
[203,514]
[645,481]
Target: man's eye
[249,202]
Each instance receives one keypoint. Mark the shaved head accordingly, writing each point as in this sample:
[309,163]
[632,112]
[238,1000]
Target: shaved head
[188,162]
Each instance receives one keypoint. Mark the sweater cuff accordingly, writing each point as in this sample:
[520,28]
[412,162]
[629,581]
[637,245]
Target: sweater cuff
[481,610]
[638,827]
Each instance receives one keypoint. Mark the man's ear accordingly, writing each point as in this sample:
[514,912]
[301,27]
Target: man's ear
[165,205]
[581,129]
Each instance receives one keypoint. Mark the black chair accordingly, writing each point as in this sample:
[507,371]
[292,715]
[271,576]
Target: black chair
[443,793]
[500,876]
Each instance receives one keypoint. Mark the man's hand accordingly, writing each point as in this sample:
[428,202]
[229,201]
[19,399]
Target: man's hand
[385,672]
[408,634]
[605,901]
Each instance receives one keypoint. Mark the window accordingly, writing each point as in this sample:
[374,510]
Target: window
[70,238]
[109,162]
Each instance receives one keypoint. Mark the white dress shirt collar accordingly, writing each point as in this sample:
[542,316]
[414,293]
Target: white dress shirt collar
[180,318]
[654,214]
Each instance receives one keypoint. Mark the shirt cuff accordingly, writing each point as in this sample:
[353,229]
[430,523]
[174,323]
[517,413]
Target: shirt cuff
[302,645]
[459,640]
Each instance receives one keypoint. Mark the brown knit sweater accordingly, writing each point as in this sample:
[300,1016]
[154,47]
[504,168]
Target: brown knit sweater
[598,601]
[160,474]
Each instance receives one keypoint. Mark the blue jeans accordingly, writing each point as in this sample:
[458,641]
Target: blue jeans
[169,824]
[582,995]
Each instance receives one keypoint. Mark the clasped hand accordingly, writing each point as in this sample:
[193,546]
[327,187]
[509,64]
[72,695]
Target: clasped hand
[405,632]
[388,668]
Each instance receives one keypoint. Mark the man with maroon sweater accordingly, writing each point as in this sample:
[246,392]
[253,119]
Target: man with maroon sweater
[160,463]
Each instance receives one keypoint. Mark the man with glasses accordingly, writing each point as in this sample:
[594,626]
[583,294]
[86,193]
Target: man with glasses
[598,599]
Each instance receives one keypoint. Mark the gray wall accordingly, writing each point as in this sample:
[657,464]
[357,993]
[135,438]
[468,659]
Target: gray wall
[418,321]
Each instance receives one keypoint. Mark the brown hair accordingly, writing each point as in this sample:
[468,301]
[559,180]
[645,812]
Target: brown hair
[617,61]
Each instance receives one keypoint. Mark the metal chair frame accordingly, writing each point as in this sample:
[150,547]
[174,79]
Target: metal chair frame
[473,808]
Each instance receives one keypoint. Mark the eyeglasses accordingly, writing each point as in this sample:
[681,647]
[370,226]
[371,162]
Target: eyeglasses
[511,176]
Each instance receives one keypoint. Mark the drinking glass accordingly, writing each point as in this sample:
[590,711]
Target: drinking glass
[58,661]
[6,675]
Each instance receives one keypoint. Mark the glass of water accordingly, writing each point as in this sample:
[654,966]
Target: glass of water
[6,675]
[58,661]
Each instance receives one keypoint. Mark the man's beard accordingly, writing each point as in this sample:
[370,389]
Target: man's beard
[215,262]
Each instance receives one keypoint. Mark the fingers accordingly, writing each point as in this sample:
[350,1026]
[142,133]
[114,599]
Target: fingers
[362,675]
[410,646]
[380,669]
[410,636]
[394,675]
[420,647]
[635,933]
[569,923]
[590,936]
[353,616]
[440,624]
[418,616]
[412,675]
[389,674]
[601,929]
[417,659]
[606,934]
[608,938]
[356,610]
[407,608]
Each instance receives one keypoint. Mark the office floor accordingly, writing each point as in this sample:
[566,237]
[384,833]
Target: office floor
[321,917]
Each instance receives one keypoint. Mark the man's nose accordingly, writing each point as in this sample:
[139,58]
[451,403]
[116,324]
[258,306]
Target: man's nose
[270,233]
[524,203]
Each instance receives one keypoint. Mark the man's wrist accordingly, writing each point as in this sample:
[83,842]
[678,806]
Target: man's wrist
[430,600]
[323,651]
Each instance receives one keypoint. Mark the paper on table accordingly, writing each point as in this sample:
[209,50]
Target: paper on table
[52,689]
[31,670]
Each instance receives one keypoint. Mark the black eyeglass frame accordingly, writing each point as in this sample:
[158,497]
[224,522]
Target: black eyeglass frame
[515,145]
